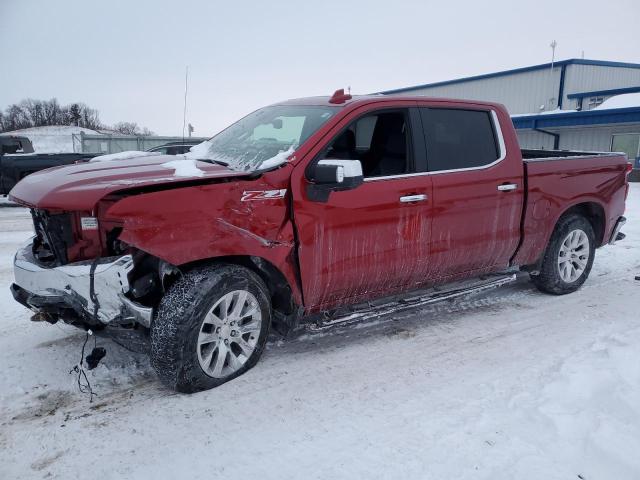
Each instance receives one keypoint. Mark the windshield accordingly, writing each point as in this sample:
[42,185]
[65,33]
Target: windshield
[264,138]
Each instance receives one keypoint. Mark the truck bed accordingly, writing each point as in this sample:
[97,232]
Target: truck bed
[557,179]
[540,154]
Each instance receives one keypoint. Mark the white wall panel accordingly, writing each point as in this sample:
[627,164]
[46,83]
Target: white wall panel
[520,92]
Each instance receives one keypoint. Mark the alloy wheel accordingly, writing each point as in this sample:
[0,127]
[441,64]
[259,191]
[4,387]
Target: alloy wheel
[229,333]
[573,256]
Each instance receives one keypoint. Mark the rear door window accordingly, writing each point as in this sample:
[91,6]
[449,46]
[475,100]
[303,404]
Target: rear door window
[458,139]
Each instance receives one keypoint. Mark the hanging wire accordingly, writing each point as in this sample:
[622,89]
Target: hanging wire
[83,381]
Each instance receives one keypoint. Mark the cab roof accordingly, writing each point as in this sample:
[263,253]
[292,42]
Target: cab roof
[356,100]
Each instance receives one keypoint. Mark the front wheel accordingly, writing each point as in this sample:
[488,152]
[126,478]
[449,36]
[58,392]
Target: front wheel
[211,326]
[569,256]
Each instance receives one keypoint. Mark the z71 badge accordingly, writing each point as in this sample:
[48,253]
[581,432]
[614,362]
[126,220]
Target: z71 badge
[262,195]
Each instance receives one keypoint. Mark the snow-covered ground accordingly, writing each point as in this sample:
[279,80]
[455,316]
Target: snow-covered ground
[510,384]
[53,138]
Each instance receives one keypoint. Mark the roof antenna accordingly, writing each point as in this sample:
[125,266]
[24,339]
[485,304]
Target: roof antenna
[184,112]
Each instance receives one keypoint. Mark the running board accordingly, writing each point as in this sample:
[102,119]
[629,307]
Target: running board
[359,314]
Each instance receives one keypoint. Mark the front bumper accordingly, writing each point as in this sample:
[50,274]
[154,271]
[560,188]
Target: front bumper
[72,288]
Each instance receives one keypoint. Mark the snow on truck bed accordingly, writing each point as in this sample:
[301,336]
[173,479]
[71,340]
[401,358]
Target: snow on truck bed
[512,384]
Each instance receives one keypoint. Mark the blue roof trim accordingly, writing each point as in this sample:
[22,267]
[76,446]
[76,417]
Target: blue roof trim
[576,119]
[613,91]
[571,61]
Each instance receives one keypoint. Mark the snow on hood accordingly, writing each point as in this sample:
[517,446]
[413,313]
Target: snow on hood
[184,167]
[122,156]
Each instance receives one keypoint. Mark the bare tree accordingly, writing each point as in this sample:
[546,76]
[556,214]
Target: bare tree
[52,112]
[126,128]
[131,128]
[90,118]
[37,113]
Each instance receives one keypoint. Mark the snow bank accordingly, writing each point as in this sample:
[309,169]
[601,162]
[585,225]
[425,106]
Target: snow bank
[123,156]
[278,159]
[53,138]
[620,101]
[184,167]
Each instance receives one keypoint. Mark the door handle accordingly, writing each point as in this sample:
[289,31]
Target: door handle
[413,198]
[507,187]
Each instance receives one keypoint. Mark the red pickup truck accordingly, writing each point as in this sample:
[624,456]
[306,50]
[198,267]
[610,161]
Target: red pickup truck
[317,209]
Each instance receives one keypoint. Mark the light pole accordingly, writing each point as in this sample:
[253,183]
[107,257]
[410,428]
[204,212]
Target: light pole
[553,46]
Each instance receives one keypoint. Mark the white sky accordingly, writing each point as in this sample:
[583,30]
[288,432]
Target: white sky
[127,58]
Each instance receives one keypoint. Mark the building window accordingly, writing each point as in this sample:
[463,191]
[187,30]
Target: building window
[595,101]
[628,143]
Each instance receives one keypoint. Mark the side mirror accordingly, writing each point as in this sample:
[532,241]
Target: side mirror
[332,175]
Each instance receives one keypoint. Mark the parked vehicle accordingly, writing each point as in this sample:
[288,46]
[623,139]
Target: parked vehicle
[17,160]
[15,144]
[321,209]
[175,148]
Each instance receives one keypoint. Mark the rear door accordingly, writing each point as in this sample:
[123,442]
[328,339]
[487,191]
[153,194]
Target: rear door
[374,239]
[478,190]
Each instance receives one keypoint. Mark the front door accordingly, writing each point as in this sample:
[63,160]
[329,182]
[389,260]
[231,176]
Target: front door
[374,239]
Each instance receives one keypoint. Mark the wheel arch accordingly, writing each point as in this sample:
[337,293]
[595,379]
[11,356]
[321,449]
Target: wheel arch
[594,212]
[283,300]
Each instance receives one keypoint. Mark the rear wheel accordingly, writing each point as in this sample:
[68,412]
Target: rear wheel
[212,325]
[569,256]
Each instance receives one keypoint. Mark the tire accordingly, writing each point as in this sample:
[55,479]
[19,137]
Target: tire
[556,277]
[189,328]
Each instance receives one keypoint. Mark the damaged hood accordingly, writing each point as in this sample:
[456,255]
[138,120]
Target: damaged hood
[81,186]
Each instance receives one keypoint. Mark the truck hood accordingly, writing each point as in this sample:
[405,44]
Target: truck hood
[81,186]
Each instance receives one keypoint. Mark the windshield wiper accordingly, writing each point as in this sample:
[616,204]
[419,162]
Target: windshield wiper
[216,162]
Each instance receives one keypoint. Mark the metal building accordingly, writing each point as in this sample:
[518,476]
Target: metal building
[106,143]
[558,105]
